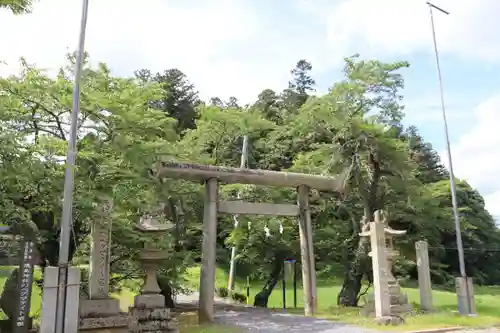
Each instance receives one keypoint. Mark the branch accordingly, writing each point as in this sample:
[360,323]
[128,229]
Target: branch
[122,277]
[62,134]
[364,292]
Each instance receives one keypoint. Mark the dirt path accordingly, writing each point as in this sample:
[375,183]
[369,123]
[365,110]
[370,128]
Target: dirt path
[263,321]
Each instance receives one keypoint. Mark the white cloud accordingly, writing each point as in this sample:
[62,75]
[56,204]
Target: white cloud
[129,35]
[236,47]
[395,27]
[476,155]
[240,47]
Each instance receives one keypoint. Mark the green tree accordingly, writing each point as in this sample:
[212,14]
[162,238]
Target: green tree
[120,136]
[363,113]
[299,87]
[179,99]
[18,6]
[429,166]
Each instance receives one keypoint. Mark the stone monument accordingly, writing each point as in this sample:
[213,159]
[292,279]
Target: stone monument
[424,276]
[398,301]
[149,313]
[15,299]
[100,312]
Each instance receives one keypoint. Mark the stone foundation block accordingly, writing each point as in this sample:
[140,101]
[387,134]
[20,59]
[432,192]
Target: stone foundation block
[116,322]
[99,307]
[153,326]
[149,301]
[151,314]
[390,320]
[401,308]
[399,298]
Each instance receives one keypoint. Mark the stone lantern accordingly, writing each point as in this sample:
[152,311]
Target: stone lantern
[149,313]
[398,300]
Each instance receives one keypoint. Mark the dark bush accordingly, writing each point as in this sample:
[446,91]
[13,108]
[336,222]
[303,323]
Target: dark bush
[239,297]
[222,292]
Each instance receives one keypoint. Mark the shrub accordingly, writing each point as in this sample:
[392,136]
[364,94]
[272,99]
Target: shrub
[222,292]
[239,297]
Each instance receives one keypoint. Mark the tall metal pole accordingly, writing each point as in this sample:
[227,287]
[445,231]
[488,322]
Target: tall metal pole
[67,212]
[232,267]
[458,232]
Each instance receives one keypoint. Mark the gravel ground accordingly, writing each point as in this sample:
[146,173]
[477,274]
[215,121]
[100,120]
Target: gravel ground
[262,321]
[486,330]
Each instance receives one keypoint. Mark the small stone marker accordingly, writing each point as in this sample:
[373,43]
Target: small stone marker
[424,275]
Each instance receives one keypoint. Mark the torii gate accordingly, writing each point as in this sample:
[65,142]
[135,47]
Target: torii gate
[211,176]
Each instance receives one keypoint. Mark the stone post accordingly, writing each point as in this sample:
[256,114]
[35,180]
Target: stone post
[424,276]
[99,272]
[307,251]
[465,295]
[49,300]
[380,273]
[101,311]
[208,257]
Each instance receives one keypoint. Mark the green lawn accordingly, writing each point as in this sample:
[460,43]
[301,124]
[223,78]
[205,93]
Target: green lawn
[445,302]
[36,301]
[487,304]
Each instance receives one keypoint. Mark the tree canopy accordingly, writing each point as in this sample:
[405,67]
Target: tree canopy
[127,124]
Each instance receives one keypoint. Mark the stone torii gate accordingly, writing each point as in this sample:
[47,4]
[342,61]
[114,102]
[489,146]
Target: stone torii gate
[211,176]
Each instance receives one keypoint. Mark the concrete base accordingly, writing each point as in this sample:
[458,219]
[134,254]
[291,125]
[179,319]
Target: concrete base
[103,316]
[111,324]
[99,307]
[465,296]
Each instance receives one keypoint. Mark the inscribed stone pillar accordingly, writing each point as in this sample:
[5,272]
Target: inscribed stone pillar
[380,274]
[307,251]
[100,303]
[99,272]
[424,275]
[207,275]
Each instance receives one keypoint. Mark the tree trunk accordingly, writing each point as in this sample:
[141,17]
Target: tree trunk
[356,268]
[166,290]
[262,297]
[356,262]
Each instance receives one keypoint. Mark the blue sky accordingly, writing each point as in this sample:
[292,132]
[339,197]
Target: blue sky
[239,47]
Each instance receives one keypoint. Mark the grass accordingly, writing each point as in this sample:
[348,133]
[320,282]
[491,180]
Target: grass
[445,303]
[188,323]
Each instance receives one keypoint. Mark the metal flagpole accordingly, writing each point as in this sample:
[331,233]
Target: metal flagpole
[232,267]
[67,212]
[460,247]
